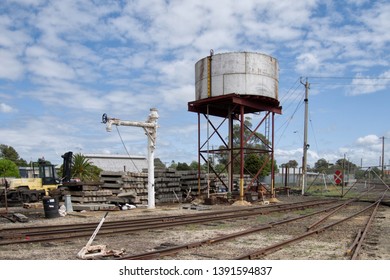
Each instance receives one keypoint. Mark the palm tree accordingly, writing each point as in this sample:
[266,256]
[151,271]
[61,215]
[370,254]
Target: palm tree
[83,169]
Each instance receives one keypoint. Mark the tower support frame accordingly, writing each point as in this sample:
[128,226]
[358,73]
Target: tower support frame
[230,108]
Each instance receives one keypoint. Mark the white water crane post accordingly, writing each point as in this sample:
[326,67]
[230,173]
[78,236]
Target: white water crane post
[150,127]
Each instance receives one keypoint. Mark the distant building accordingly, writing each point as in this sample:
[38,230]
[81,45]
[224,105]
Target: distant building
[28,172]
[118,163]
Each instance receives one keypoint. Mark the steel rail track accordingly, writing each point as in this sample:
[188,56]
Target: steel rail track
[176,249]
[64,232]
[92,226]
[156,254]
[270,249]
[364,233]
[358,242]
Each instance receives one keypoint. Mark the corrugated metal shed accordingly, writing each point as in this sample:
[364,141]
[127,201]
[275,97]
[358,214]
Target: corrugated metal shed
[118,163]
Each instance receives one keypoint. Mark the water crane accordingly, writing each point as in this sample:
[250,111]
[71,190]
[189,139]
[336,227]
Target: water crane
[150,127]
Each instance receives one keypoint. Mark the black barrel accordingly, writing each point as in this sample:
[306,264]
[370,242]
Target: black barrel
[50,205]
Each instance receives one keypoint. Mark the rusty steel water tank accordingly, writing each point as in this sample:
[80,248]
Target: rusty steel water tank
[243,73]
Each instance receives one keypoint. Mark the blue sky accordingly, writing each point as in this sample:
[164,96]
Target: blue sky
[65,63]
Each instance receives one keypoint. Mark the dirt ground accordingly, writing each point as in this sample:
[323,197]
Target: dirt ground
[330,245]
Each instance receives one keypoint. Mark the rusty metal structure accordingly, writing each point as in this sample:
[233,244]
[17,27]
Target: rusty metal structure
[228,86]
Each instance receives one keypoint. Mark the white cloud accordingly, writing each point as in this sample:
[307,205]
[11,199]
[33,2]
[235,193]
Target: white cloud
[4,108]
[178,97]
[81,58]
[123,102]
[308,63]
[344,40]
[366,84]
[368,140]
[377,21]
[40,137]
[358,2]
[10,66]
[72,20]
[28,2]
[49,68]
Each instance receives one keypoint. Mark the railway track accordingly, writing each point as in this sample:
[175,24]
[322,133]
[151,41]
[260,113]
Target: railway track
[320,216]
[65,232]
[311,230]
[272,248]
[176,249]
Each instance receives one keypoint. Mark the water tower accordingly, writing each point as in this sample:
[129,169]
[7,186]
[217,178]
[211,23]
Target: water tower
[227,87]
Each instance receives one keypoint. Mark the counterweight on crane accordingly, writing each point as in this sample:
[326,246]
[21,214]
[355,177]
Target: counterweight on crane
[150,127]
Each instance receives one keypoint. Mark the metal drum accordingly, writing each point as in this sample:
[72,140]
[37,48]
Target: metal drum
[50,206]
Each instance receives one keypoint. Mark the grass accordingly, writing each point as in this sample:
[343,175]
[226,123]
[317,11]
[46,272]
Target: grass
[329,191]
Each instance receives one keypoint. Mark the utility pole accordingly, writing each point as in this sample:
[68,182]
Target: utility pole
[343,174]
[150,127]
[305,145]
[383,157]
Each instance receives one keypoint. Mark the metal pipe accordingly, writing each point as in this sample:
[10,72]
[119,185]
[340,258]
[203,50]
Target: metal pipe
[242,153]
[209,74]
[198,153]
[230,151]
[272,158]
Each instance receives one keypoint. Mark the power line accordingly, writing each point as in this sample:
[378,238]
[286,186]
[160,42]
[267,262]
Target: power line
[354,84]
[285,96]
[370,81]
[348,78]
[123,143]
[314,135]
[287,122]
[293,100]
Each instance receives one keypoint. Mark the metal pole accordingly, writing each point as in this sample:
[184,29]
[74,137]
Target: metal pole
[209,74]
[305,145]
[273,158]
[342,178]
[242,154]
[230,156]
[383,156]
[208,152]
[198,153]
[5,195]
[151,191]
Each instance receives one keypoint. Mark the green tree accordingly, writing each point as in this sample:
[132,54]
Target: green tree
[361,174]
[158,164]
[8,152]
[194,165]
[346,165]
[8,168]
[173,164]
[290,164]
[220,168]
[183,166]
[252,163]
[83,169]
[257,142]
[321,166]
